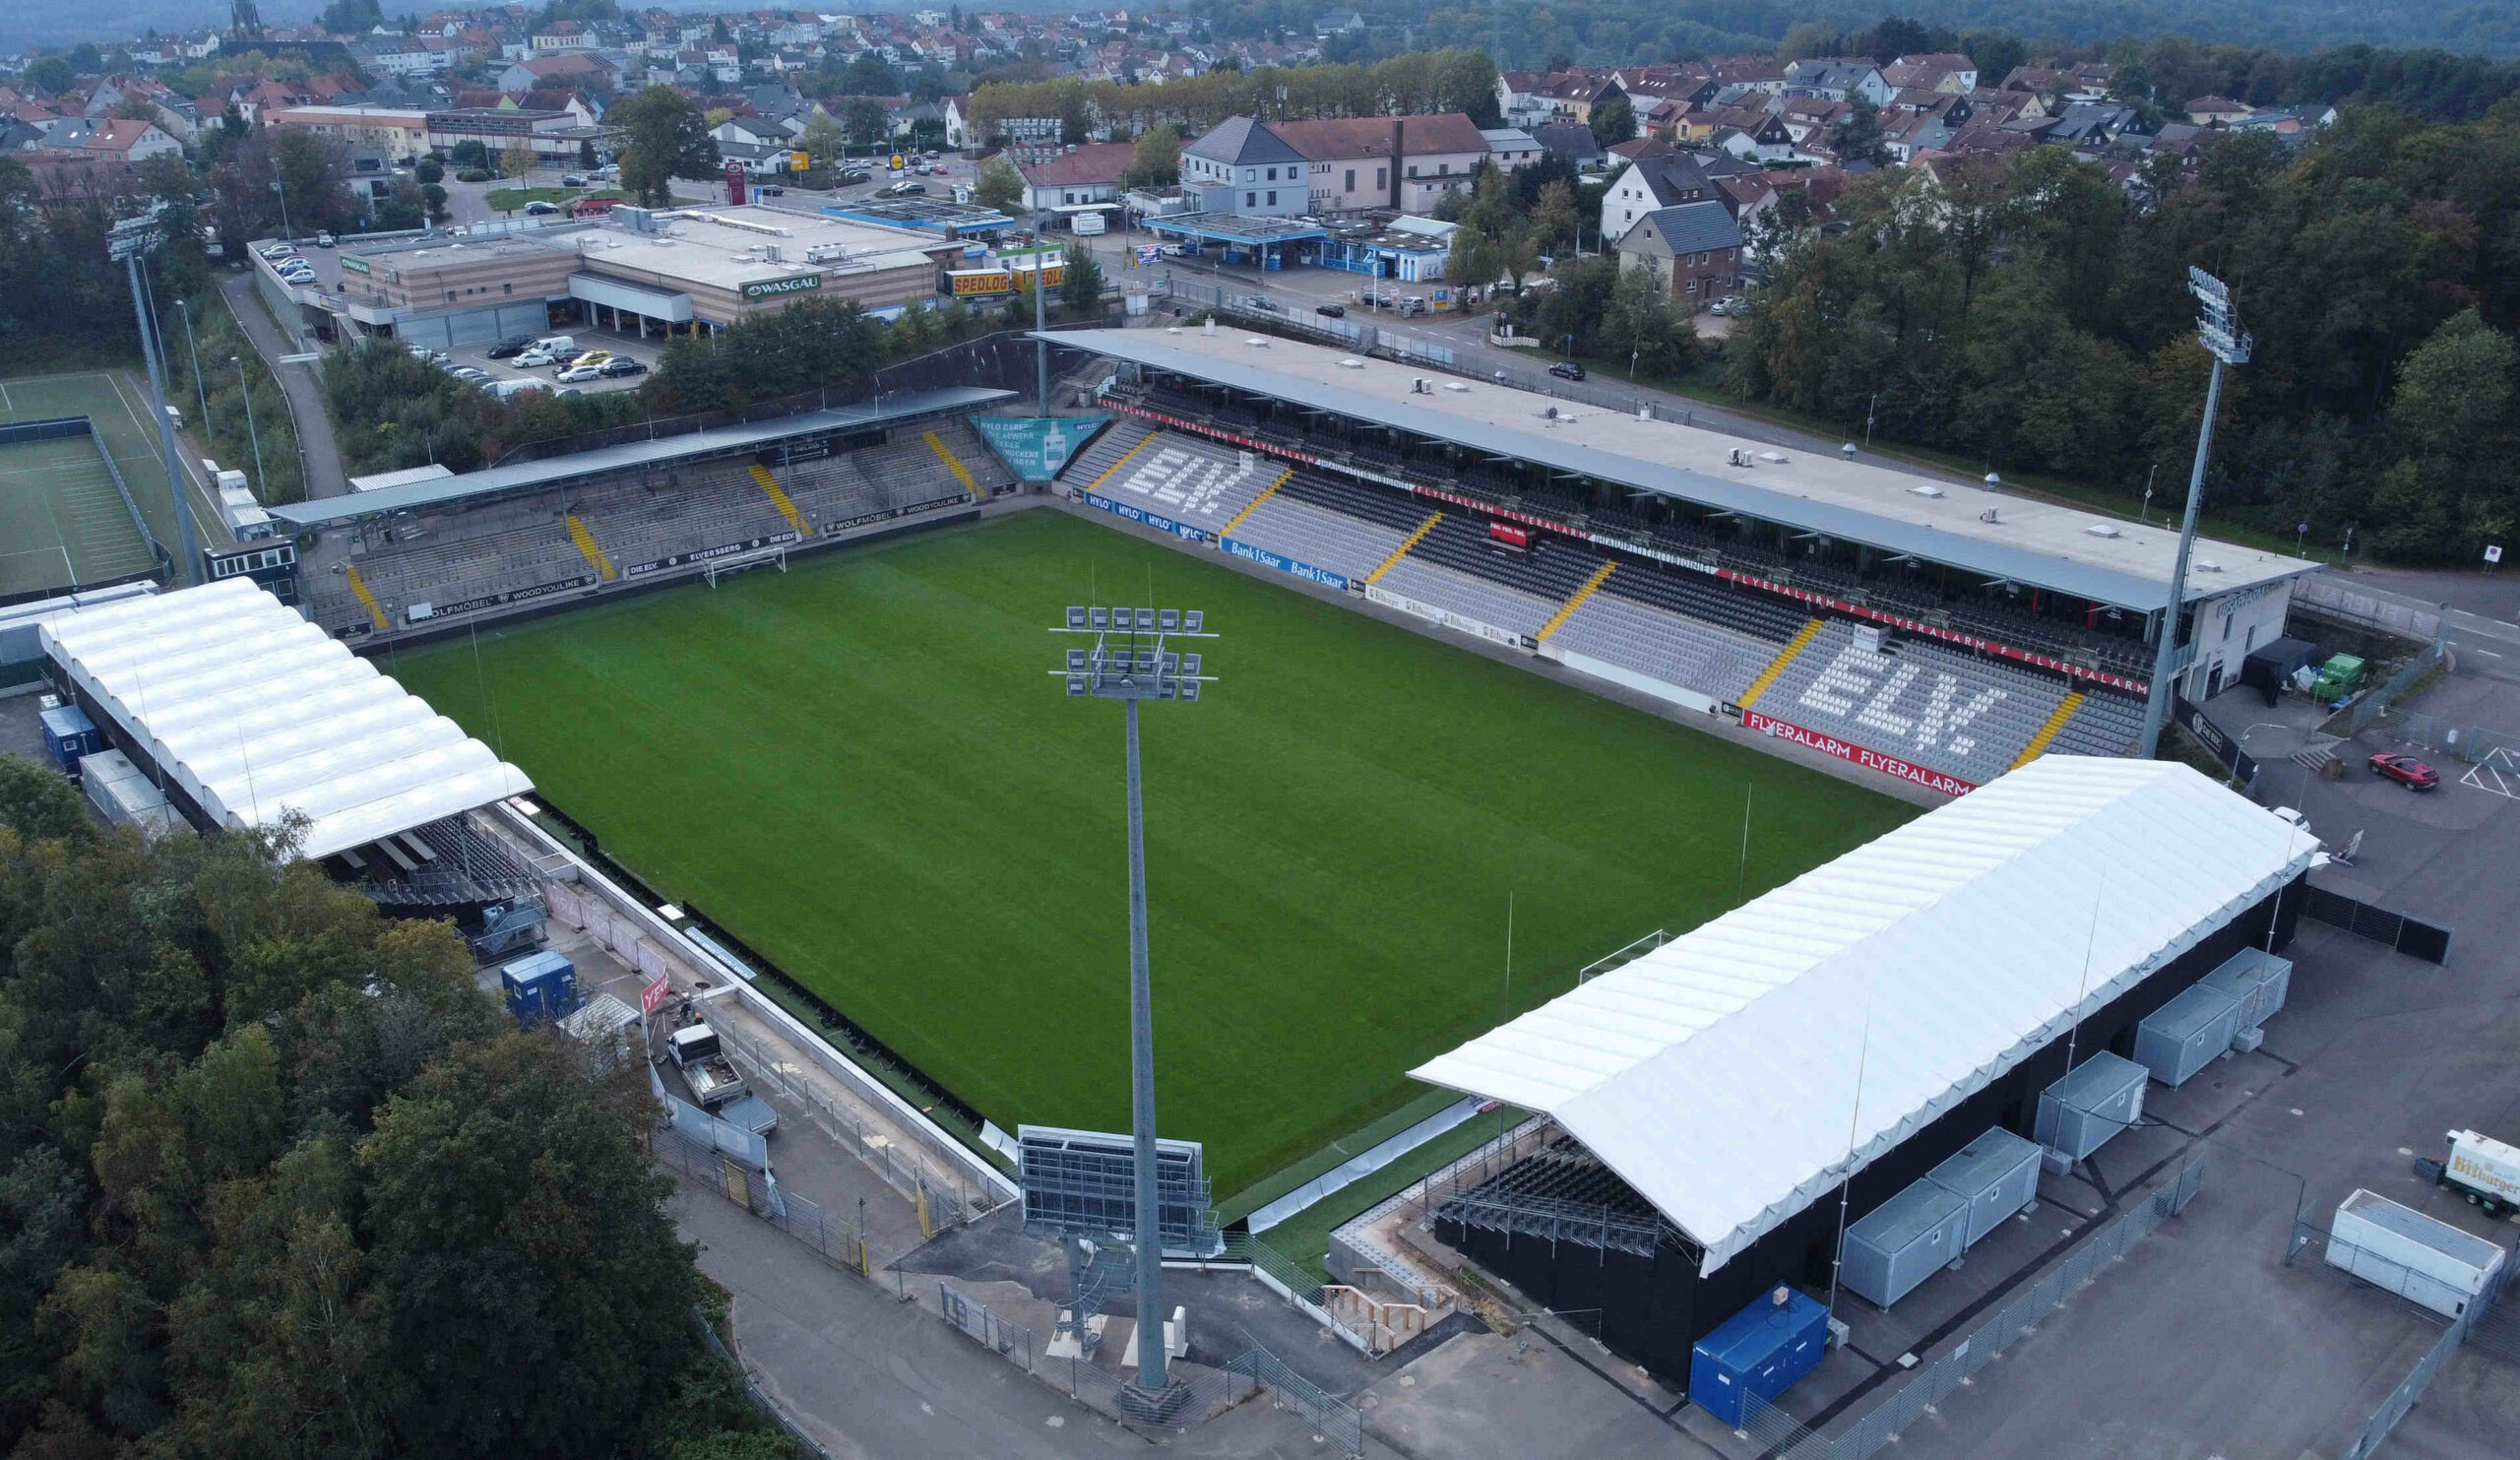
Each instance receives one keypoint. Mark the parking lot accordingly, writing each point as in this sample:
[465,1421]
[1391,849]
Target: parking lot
[645,352]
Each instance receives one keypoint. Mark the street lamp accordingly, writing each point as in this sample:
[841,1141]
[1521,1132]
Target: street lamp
[285,231]
[1041,315]
[1132,660]
[2217,328]
[200,386]
[129,242]
[247,387]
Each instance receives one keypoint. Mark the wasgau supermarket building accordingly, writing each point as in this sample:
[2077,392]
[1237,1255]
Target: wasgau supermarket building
[651,273]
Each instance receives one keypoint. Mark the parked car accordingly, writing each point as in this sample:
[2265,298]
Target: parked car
[592,357]
[1567,370]
[622,364]
[852,177]
[1338,311]
[539,208]
[2405,770]
[773,190]
[572,180]
[506,347]
[325,239]
[905,189]
[276,250]
[537,357]
[577,374]
[1719,306]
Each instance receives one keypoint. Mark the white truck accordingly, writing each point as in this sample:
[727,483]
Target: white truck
[2482,1170]
[712,1077]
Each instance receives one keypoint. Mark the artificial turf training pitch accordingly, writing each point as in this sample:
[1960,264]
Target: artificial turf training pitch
[864,768]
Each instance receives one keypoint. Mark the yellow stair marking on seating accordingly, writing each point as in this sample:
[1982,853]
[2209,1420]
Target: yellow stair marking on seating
[1097,484]
[2037,745]
[1591,586]
[1767,676]
[1284,477]
[945,454]
[358,586]
[585,540]
[779,499]
[1415,538]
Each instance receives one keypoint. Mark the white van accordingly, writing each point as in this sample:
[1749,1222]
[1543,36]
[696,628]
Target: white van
[556,345]
[1090,223]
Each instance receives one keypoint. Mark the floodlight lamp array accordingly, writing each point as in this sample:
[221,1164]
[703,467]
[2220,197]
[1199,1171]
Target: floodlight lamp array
[1132,656]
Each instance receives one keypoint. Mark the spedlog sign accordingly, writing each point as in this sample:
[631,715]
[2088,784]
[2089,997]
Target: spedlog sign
[793,283]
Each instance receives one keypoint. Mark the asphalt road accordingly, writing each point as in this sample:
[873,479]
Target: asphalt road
[302,382]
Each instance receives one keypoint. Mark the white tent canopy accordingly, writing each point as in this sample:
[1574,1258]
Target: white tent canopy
[1719,1075]
[256,713]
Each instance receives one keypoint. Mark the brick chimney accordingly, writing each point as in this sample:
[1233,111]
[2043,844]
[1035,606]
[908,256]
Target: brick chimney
[1395,163]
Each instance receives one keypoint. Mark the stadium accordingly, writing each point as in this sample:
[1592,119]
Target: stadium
[790,676]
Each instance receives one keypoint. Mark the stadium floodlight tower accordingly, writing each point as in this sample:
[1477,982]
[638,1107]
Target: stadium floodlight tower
[2218,327]
[127,243]
[1133,659]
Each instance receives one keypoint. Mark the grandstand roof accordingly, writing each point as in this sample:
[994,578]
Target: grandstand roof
[526,475]
[2041,545]
[1723,1074]
[255,713]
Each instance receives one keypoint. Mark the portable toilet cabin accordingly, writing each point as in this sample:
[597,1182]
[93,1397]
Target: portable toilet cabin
[2099,1097]
[2259,980]
[67,735]
[1762,1350]
[2188,1034]
[1997,1175]
[539,986]
[1902,1241]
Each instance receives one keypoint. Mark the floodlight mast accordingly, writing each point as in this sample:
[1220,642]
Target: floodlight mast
[1131,660]
[130,242]
[2217,328]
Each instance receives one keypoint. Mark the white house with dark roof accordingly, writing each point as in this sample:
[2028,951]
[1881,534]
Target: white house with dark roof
[1693,250]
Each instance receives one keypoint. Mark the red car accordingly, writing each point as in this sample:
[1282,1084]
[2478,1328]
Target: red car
[2406,770]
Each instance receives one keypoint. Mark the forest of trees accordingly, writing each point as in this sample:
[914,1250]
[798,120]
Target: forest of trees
[2029,313]
[278,1180]
[1460,80]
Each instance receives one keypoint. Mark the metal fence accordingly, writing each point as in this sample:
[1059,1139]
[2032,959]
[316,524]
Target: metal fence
[2372,704]
[1199,1391]
[838,1240]
[2369,1267]
[2414,938]
[759,1396]
[939,1206]
[1786,1438]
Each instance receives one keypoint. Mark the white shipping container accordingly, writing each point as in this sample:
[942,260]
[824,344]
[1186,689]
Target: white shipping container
[2484,1164]
[2410,1254]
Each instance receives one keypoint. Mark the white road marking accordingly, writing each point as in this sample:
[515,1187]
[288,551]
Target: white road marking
[2499,773]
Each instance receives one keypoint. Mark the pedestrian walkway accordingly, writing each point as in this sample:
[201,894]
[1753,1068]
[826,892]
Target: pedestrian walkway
[302,384]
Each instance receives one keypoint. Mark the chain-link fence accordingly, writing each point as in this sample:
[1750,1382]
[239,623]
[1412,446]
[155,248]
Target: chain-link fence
[2375,703]
[1786,1438]
[838,1240]
[2392,1277]
[760,1397]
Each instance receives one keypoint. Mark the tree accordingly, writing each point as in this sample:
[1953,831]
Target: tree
[315,173]
[517,159]
[1157,161]
[865,120]
[999,186]
[823,142]
[1081,290]
[869,75]
[1553,220]
[428,170]
[470,153]
[585,152]
[433,198]
[1857,136]
[662,139]
[50,73]
[34,803]
[1613,121]
[352,17]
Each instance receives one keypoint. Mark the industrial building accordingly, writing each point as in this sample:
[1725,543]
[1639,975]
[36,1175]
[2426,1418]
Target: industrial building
[1851,1031]
[646,271]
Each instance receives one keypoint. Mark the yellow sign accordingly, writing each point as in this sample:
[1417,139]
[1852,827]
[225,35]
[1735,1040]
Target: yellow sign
[982,282]
[798,161]
[897,162]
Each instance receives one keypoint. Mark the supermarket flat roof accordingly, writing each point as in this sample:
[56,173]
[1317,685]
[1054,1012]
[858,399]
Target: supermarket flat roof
[255,714]
[1721,1074]
[438,491]
[2042,544]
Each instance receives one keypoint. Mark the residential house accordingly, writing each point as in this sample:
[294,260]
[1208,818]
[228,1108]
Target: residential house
[1509,148]
[1655,183]
[1244,167]
[1837,78]
[113,139]
[1333,166]
[1756,72]
[400,135]
[1573,141]
[2095,125]
[584,69]
[2217,112]
[1693,250]
[1940,71]
[1091,173]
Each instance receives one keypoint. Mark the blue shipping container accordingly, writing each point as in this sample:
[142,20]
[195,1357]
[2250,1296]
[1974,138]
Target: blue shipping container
[69,734]
[1764,1350]
[541,986]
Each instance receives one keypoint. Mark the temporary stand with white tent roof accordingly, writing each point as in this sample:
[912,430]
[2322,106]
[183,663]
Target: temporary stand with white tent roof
[1865,1022]
[245,713]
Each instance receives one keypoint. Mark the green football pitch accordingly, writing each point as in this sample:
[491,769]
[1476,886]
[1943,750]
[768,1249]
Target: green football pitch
[864,768]
[61,521]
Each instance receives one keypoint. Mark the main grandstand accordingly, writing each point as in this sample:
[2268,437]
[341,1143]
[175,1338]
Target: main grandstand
[420,556]
[1939,634]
